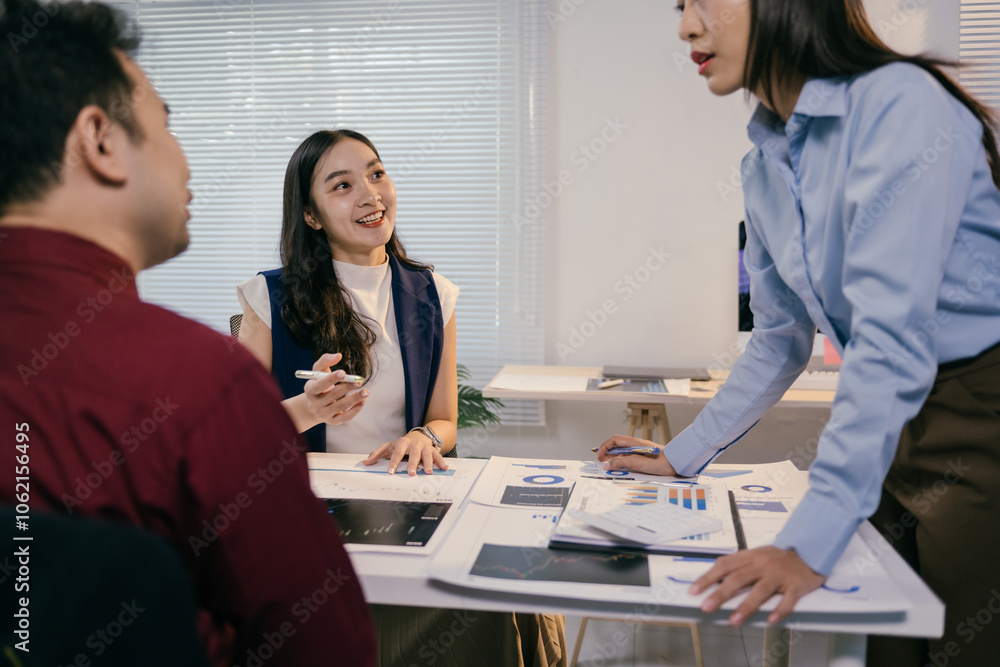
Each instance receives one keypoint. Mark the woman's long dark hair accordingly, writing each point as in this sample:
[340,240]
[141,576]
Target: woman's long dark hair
[825,38]
[317,308]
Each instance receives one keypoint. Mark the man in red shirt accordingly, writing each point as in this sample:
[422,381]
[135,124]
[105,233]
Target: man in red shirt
[127,411]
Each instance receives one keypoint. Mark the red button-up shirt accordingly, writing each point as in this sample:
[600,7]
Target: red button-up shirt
[139,415]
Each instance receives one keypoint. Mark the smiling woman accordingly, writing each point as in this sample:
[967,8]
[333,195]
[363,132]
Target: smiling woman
[347,287]
[348,298]
[353,202]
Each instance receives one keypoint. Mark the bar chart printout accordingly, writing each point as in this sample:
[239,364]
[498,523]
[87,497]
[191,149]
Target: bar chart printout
[692,499]
[603,497]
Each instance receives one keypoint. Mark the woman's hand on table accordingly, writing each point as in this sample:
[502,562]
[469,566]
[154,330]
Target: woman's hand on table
[653,465]
[328,398]
[415,445]
[766,571]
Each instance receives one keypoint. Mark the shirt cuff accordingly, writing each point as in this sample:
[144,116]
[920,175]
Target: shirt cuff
[688,454]
[818,532]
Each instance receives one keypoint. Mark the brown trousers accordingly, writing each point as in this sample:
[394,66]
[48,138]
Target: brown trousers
[940,509]
[419,637]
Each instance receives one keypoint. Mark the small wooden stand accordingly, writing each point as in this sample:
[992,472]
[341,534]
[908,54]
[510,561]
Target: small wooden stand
[647,416]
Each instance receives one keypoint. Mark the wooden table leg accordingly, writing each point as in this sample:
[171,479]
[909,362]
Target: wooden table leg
[645,417]
[777,646]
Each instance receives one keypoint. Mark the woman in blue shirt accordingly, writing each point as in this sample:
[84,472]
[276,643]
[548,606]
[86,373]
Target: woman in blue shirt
[873,214]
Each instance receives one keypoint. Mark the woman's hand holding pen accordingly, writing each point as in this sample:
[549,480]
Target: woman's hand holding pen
[331,400]
[417,446]
[653,465]
[766,571]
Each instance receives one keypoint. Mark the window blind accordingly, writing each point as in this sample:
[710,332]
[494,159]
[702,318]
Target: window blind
[451,92]
[979,50]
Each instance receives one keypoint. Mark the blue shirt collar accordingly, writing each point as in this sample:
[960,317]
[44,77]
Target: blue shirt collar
[819,98]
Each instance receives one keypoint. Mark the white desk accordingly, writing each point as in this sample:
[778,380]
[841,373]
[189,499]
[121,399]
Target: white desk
[701,392]
[402,580]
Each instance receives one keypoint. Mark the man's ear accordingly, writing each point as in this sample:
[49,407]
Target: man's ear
[95,143]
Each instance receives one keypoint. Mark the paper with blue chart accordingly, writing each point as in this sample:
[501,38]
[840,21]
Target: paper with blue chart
[764,490]
[379,512]
[508,482]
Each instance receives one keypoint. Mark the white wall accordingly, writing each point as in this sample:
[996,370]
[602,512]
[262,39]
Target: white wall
[663,183]
[652,192]
[917,26]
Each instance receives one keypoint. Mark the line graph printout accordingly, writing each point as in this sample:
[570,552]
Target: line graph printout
[541,564]
[379,512]
[505,549]
[386,522]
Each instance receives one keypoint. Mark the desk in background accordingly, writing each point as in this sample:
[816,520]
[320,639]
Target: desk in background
[647,409]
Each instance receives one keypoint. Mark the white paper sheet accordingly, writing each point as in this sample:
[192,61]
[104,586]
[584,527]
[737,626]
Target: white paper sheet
[510,482]
[766,490]
[538,382]
[678,386]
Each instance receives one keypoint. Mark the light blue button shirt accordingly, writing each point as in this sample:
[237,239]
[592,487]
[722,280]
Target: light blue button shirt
[872,216]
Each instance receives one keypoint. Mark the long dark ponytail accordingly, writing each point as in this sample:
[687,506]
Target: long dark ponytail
[317,308]
[824,38]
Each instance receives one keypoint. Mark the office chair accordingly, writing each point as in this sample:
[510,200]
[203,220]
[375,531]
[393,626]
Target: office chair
[234,329]
[234,324]
[113,593]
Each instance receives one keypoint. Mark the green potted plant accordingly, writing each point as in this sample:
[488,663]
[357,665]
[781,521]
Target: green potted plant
[474,409]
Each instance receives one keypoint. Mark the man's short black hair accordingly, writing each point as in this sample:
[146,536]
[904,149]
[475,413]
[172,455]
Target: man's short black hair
[55,59]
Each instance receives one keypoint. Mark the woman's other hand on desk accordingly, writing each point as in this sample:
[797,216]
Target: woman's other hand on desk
[766,571]
[329,399]
[653,465]
[417,446]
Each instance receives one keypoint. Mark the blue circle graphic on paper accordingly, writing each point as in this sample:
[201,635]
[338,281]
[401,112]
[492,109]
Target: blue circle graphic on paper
[616,473]
[544,479]
[756,488]
[842,588]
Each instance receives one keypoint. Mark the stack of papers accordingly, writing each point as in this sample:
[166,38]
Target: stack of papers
[597,498]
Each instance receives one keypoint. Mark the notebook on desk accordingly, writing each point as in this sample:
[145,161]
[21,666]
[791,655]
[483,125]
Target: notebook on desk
[652,373]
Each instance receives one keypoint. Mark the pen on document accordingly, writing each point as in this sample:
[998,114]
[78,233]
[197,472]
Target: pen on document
[652,451]
[605,384]
[679,482]
[315,375]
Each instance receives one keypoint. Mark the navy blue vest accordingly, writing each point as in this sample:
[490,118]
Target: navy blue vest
[420,327]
